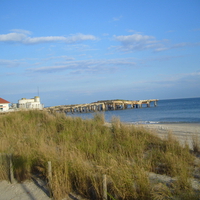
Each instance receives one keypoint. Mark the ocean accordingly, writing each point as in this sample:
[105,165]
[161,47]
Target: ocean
[167,111]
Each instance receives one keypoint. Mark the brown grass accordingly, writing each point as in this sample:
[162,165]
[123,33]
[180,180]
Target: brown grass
[81,151]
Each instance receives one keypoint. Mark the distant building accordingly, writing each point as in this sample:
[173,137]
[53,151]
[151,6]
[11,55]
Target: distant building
[4,105]
[33,103]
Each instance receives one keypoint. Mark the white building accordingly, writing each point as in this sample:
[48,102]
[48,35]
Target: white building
[33,103]
[4,105]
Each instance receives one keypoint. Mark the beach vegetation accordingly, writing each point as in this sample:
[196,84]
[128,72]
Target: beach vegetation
[196,143]
[137,163]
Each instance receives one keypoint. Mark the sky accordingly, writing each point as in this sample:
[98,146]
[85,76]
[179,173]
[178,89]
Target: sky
[82,51]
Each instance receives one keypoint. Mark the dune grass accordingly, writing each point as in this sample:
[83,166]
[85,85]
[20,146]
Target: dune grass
[81,151]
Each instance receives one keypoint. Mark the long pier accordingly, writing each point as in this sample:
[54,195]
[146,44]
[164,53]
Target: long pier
[102,106]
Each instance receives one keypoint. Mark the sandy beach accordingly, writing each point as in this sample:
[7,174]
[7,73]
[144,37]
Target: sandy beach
[185,133]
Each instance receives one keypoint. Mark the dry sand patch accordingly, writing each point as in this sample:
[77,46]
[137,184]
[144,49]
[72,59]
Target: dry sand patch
[185,133]
[27,190]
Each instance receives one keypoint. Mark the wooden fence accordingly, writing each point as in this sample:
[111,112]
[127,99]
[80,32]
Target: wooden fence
[6,167]
[7,173]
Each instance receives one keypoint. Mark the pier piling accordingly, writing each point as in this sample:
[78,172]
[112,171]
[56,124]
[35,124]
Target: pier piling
[103,106]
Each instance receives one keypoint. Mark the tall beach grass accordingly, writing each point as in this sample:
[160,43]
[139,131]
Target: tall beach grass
[81,151]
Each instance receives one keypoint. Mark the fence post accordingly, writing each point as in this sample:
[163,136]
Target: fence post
[12,179]
[4,167]
[1,162]
[1,159]
[50,178]
[104,187]
[49,170]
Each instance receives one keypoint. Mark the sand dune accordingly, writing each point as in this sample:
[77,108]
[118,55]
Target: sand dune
[184,132]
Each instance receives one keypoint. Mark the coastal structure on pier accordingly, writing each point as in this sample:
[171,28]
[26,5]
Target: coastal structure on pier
[103,106]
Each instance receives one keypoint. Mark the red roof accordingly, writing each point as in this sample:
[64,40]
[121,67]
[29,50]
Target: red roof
[3,101]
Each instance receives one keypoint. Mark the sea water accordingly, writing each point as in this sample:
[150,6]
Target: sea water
[166,111]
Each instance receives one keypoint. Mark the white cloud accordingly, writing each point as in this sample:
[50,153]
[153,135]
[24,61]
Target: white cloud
[9,63]
[179,45]
[20,36]
[12,37]
[117,18]
[170,31]
[132,31]
[37,40]
[136,42]
[58,57]
[161,49]
[86,66]
[133,38]
[31,61]
[21,31]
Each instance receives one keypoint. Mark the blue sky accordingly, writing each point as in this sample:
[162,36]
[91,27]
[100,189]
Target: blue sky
[80,51]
